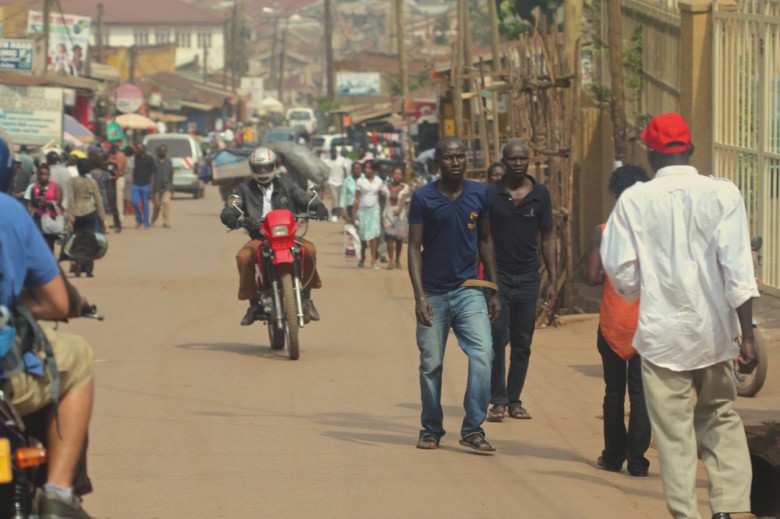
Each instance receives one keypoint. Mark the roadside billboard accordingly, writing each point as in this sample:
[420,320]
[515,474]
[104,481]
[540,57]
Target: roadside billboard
[358,84]
[32,115]
[68,41]
[16,55]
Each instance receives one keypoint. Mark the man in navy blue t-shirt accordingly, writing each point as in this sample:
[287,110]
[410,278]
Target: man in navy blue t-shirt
[448,222]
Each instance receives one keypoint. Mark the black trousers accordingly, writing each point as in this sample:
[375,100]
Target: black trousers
[622,444]
[113,204]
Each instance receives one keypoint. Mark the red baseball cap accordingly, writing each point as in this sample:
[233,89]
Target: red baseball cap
[667,133]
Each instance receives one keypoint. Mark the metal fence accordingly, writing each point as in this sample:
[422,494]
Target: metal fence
[746,117]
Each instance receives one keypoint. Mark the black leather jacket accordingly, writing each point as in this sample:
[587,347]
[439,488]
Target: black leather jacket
[286,195]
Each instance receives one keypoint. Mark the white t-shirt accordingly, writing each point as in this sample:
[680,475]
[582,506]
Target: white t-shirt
[268,192]
[369,192]
[338,170]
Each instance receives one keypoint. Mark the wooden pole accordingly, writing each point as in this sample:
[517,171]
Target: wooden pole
[457,90]
[225,47]
[99,35]
[233,46]
[496,53]
[573,170]
[329,70]
[399,32]
[282,58]
[46,29]
[615,43]
[205,63]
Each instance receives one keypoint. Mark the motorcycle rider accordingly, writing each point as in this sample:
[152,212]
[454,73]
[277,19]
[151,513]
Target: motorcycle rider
[261,193]
[30,276]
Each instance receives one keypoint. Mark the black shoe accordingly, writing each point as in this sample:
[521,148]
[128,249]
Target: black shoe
[721,515]
[309,308]
[52,506]
[252,314]
[611,467]
[638,473]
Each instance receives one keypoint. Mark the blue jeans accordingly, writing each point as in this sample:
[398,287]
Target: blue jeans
[141,196]
[515,325]
[465,311]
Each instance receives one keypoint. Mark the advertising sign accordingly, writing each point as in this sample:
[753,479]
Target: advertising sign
[68,41]
[128,98]
[31,115]
[16,54]
[358,84]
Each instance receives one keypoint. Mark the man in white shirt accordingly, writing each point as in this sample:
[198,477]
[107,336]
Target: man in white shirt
[338,171]
[682,240]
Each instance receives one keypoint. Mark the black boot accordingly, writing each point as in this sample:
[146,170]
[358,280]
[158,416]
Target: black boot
[252,314]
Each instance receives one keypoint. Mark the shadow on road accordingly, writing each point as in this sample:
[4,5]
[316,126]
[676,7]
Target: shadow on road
[589,370]
[250,350]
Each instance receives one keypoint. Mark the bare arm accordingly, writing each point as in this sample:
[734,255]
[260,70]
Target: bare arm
[422,309]
[748,359]
[551,264]
[595,273]
[487,255]
[49,301]
[356,204]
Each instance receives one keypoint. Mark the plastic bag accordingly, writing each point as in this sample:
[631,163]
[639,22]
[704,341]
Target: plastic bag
[52,224]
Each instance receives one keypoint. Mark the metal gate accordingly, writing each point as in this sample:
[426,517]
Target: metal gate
[746,116]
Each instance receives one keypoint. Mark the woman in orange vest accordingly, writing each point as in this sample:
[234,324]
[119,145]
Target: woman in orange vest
[622,366]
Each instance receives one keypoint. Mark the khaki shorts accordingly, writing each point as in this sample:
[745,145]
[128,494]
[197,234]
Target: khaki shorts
[29,393]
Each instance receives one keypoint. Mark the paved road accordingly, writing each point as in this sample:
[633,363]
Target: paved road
[196,417]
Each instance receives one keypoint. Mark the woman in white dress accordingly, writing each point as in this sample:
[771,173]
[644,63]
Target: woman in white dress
[366,212]
[395,195]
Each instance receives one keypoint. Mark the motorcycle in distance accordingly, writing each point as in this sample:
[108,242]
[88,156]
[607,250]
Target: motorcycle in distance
[280,260]
[750,384]
[23,456]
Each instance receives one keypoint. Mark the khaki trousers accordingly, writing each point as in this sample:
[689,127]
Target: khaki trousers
[162,200]
[246,259]
[691,408]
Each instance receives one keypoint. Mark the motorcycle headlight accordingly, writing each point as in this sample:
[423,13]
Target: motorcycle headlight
[280,230]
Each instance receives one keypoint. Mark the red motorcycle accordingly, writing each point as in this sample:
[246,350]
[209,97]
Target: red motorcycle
[280,270]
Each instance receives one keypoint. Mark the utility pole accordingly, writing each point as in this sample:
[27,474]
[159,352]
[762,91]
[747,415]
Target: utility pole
[273,76]
[205,63]
[399,33]
[225,48]
[99,35]
[329,72]
[133,50]
[233,46]
[46,15]
[615,43]
[457,90]
[282,57]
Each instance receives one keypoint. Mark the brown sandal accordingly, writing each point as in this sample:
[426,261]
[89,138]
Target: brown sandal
[518,412]
[477,442]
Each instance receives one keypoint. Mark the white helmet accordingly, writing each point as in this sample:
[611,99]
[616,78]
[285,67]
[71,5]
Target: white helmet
[262,164]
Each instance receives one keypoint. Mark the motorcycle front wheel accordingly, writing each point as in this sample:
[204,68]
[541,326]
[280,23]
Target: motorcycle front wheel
[750,385]
[290,315]
[275,336]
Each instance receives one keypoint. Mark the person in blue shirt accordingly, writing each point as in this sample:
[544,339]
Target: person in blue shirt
[31,276]
[448,223]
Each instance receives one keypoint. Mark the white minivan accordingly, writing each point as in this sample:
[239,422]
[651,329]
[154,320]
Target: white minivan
[186,156]
[302,117]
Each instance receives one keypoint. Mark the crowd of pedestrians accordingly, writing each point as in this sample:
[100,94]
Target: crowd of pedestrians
[68,192]
[680,239]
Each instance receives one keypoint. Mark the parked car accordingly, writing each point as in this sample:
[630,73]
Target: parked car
[186,156]
[324,143]
[302,117]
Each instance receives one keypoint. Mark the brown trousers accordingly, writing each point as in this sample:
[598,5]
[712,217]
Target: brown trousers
[246,259]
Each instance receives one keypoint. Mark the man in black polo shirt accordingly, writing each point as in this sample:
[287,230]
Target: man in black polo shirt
[520,211]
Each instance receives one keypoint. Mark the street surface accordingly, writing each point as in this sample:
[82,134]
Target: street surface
[196,417]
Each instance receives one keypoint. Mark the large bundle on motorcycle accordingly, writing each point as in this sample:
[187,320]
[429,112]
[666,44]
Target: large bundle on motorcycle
[301,163]
[230,166]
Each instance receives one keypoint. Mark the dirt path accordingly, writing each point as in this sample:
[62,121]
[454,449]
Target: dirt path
[197,417]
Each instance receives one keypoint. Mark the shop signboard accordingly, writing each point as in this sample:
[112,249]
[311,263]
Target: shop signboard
[32,115]
[358,84]
[68,41]
[16,55]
